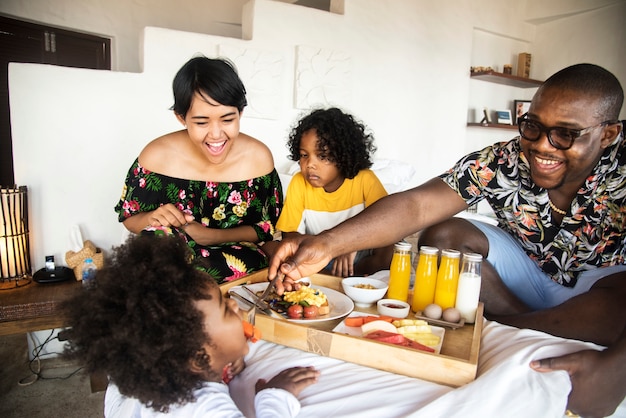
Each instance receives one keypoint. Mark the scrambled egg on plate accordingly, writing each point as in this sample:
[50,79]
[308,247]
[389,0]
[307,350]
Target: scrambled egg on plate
[305,293]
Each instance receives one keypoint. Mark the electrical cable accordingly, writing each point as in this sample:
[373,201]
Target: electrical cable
[35,364]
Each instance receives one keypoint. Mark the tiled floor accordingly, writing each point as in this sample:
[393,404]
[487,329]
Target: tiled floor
[56,395]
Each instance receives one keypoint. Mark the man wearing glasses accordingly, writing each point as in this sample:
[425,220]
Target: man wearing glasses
[556,262]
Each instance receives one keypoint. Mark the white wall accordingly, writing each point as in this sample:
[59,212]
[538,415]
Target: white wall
[124,20]
[76,131]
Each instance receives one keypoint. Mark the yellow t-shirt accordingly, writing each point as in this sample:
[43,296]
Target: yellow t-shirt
[311,210]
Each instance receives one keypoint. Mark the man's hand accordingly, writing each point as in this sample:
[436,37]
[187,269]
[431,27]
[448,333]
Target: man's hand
[598,383]
[298,256]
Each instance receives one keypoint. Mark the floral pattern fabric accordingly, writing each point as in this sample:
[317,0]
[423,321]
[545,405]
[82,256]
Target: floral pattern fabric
[256,202]
[592,233]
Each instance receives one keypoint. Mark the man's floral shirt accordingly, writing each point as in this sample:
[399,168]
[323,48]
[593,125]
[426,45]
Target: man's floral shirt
[592,233]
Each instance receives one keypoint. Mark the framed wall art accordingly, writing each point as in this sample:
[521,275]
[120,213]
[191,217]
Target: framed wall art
[504,117]
[519,108]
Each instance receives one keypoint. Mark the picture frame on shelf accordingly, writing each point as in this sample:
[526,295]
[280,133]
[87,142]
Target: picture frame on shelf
[504,117]
[486,119]
[520,107]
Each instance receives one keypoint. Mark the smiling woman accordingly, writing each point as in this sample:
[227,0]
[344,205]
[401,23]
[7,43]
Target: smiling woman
[210,183]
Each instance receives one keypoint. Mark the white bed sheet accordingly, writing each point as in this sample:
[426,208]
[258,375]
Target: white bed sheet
[505,387]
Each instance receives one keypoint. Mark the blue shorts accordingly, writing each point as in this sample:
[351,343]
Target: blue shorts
[524,277]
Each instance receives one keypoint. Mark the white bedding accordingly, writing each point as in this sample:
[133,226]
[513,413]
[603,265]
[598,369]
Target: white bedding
[505,387]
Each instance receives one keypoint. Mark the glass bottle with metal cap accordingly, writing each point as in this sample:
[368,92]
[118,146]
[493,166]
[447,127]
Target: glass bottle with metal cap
[447,279]
[425,278]
[400,272]
[468,291]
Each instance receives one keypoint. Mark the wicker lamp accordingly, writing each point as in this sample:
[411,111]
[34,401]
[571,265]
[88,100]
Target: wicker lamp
[15,268]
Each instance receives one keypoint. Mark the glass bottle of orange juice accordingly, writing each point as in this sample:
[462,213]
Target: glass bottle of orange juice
[447,279]
[400,272]
[425,278]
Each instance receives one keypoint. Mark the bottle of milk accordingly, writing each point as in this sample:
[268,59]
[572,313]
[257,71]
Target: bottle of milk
[468,289]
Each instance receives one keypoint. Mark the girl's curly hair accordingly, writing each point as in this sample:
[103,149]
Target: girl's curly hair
[347,142]
[138,322]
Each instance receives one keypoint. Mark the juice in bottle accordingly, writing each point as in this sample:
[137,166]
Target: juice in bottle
[447,279]
[400,272]
[425,278]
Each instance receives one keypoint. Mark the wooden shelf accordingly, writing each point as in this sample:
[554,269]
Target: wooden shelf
[506,79]
[493,125]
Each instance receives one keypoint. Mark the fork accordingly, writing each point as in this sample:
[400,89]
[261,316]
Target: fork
[250,313]
[257,303]
[271,286]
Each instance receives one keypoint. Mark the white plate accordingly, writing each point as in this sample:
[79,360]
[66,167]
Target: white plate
[340,305]
[356,331]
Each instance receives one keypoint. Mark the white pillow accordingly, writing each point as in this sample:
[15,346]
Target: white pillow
[393,174]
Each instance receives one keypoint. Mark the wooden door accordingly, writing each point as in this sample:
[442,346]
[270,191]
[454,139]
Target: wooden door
[22,41]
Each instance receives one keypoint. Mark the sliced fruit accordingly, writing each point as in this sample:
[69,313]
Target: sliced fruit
[386,337]
[354,321]
[370,318]
[397,339]
[251,332]
[378,325]
[428,339]
[357,321]
[413,329]
[405,322]
[418,346]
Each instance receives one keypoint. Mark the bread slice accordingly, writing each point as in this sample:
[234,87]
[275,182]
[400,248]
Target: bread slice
[324,309]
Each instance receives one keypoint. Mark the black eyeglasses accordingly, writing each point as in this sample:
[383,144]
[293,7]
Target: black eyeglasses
[560,138]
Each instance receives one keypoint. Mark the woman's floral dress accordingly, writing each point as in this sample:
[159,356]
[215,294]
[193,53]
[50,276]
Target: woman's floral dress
[256,202]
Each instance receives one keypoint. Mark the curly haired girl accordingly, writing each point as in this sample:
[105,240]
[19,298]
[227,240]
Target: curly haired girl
[162,331]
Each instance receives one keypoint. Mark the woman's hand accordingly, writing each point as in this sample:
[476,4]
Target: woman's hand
[205,235]
[293,380]
[343,266]
[169,215]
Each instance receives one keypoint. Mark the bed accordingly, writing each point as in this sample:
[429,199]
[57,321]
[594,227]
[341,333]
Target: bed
[505,385]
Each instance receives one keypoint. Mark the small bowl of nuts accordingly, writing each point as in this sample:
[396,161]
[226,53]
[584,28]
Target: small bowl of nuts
[364,291]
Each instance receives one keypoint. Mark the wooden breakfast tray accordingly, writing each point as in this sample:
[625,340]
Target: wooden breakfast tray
[456,365]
